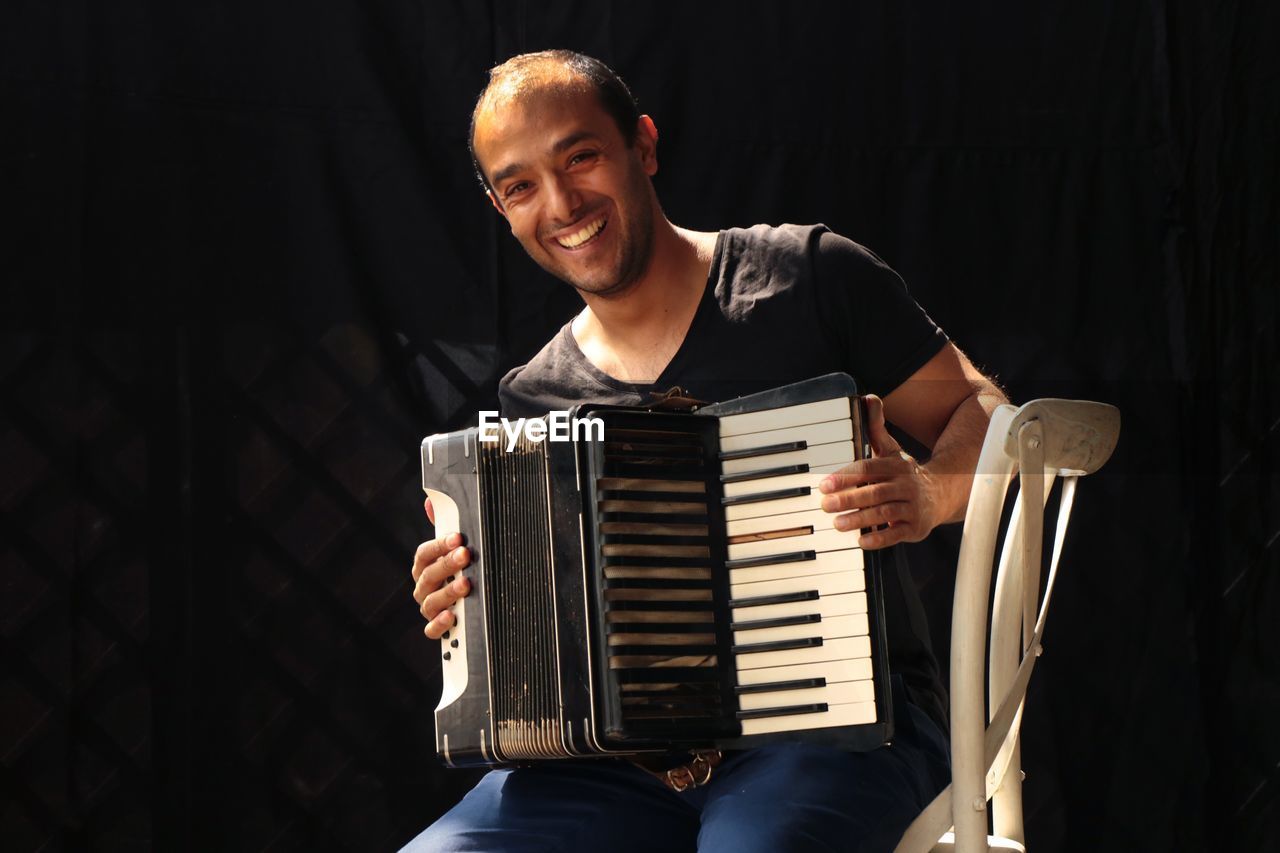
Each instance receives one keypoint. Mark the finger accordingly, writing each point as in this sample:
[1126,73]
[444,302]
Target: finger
[866,471]
[886,536]
[431,511]
[439,572]
[443,598]
[867,497]
[898,512]
[429,552]
[443,622]
[882,444]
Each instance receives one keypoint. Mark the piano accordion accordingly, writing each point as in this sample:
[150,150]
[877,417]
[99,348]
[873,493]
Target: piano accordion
[673,586]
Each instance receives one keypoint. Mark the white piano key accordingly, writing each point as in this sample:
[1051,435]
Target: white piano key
[848,669]
[811,434]
[830,628]
[815,518]
[831,605]
[787,416]
[824,563]
[776,506]
[838,452]
[820,540]
[825,585]
[854,713]
[839,649]
[840,693]
[787,481]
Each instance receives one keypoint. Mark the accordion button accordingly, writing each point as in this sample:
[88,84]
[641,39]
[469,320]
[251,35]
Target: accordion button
[445,635]
[446,655]
[453,643]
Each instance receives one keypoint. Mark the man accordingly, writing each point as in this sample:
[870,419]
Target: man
[567,159]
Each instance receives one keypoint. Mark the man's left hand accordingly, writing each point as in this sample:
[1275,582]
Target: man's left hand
[891,488]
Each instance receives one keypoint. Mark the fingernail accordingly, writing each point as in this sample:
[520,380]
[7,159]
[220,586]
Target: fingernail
[446,617]
[459,556]
[826,485]
[460,586]
[830,504]
[453,540]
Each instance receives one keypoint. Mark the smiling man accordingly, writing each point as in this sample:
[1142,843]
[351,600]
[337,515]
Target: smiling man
[567,159]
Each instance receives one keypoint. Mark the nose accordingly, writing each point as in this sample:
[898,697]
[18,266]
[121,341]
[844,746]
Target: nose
[563,199]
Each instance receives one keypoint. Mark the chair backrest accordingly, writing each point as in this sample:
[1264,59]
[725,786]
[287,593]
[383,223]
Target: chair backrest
[1040,442]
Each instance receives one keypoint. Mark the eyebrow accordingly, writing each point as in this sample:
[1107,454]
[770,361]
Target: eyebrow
[560,146]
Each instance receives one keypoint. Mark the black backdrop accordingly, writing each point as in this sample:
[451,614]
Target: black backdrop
[246,269]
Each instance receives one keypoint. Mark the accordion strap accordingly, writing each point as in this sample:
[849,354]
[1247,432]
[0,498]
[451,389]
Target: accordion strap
[697,771]
[674,399]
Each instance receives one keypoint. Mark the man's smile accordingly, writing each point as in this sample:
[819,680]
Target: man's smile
[584,235]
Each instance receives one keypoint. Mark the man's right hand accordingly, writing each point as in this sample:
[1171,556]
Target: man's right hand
[433,564]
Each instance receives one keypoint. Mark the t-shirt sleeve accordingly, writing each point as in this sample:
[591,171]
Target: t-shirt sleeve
[511,403]
[883,334]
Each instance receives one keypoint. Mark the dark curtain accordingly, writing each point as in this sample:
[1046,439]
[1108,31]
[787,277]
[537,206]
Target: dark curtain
[246,268]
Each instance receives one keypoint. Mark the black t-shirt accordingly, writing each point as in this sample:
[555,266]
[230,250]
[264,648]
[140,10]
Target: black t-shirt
[782,304]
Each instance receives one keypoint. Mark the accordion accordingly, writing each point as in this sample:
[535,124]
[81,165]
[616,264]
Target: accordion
[656,580]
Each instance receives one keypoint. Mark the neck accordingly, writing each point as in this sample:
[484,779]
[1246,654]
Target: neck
[670,287]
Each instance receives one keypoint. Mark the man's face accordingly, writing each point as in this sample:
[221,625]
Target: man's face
[577,197]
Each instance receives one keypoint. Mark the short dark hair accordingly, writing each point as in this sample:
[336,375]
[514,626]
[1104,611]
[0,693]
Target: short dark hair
[615,97]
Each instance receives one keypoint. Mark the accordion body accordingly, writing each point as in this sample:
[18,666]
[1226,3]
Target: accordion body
[673,585]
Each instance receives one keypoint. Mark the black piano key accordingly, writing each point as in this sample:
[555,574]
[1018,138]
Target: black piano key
[765,473]
[780,622]
[788,711]
[780,598]
[779,686]
[761,497]
[770,559]
[777,645]
[767,450]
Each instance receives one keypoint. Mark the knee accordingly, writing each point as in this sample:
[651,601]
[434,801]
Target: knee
[434,839]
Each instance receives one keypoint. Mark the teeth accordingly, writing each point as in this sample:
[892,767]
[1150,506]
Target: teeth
[577,239]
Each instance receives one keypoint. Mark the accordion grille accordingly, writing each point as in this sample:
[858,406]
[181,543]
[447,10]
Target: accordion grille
[520,600]
[660,584]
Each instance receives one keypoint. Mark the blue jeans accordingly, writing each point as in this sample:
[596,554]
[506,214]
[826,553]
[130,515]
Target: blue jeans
[777,798]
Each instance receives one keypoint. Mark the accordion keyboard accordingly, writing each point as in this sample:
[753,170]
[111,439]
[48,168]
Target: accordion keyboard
[801,633]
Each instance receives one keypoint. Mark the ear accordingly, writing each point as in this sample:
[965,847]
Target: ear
[647,144]
[494,201]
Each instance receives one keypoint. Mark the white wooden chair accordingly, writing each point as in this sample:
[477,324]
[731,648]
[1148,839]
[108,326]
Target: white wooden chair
[1042,441]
